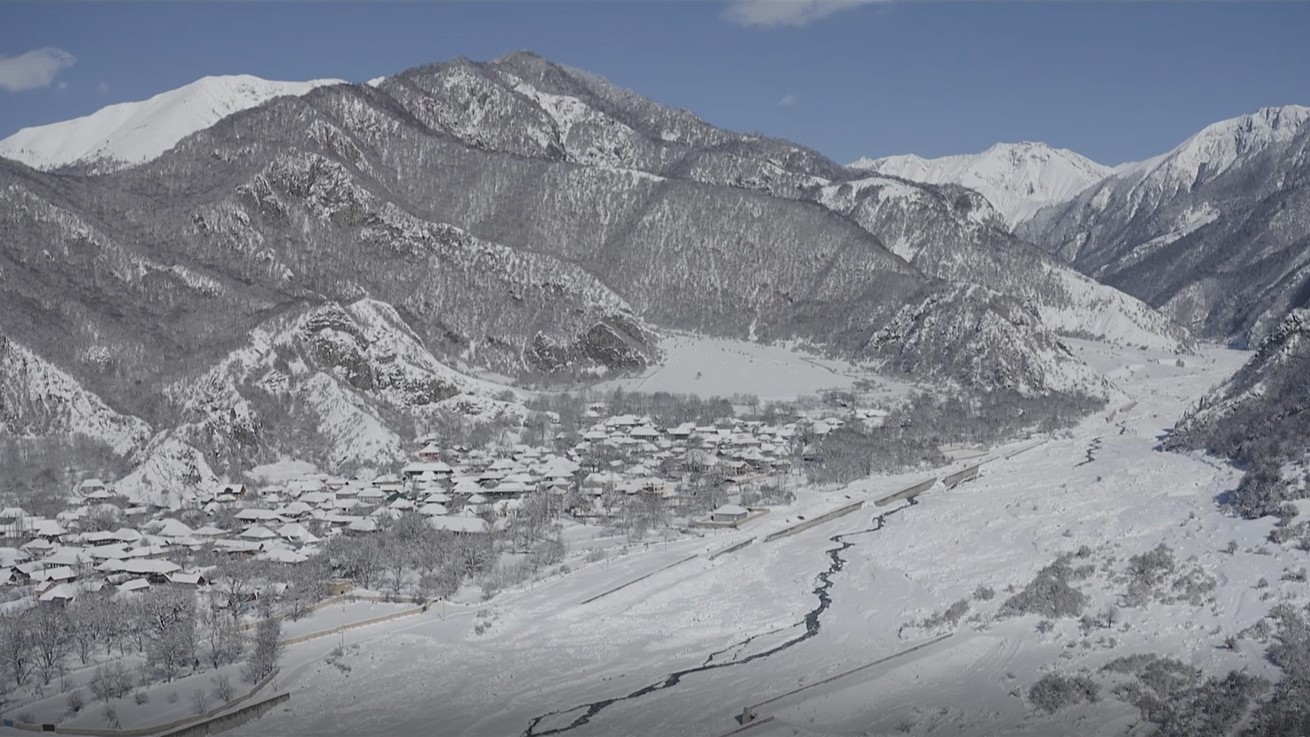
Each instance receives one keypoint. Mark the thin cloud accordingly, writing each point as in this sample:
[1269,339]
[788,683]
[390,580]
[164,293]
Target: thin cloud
[102,88]
[787,100]
[34,69]
[792,13]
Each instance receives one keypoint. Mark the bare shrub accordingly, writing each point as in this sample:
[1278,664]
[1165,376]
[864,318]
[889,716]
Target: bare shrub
[75,701]
[1054,692]
[222,687]
[950,617]
[1048,594]
[1174,696]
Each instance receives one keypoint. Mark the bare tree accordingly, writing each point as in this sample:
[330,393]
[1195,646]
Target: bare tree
[222,641]
[168,618]
[15,648]
[267,650]
[49,628]
[88,615]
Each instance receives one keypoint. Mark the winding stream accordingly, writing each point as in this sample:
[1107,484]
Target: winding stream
[811,622]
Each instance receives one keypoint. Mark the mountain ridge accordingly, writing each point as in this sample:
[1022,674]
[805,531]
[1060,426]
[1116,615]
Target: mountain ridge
[1212,232]
[1016,178]
[129,133]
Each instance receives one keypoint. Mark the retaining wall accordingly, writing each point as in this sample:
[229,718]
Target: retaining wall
[959,477]
[906,493]
[636,580]
[230,720]
[354,625]
[731,548]
[807,524]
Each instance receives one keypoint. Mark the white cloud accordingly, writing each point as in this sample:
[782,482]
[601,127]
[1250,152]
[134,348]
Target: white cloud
[35,69]
[795,13]
[787,100]
[102,88]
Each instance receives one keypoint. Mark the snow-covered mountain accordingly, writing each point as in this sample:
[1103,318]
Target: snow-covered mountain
[345,259]
[1018,179]
[130,133]
[1213,233]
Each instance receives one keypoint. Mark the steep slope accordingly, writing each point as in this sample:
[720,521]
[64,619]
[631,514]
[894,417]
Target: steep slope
[37,399]
[1018,179]
[952,233]
[354,372]
[1215,233]
[578,117]
[1261,418]
[130,133]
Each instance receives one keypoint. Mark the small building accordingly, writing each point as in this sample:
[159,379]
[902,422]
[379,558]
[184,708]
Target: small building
[338,586]
[729,514]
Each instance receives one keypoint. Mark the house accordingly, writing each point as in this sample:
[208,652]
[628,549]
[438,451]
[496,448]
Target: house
[90,486]
[133,585]
[58,594]
[729,514]
[182,578]
[433,509]
[154,570]
[460,525]
[236,491]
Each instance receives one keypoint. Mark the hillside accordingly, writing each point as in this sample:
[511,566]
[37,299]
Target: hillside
[1213,233]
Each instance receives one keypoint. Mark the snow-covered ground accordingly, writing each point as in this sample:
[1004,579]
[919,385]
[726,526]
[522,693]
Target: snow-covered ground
[722,367]
[537,659]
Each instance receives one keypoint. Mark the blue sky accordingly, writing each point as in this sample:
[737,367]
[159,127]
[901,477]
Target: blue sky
[1113,80]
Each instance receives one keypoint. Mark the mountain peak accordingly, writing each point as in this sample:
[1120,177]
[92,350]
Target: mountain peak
[1017,178]
[1218,146]
[130,133]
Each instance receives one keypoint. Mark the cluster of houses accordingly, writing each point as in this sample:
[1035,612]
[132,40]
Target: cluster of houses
[458,490]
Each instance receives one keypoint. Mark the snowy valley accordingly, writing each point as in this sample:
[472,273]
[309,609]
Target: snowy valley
[491,398]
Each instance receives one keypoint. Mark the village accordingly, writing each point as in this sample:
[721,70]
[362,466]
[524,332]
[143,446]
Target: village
[241,552]
[455,489]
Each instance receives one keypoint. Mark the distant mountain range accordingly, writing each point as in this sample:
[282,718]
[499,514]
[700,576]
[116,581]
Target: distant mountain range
[318,273]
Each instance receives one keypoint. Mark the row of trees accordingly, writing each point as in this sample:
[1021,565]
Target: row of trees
[912,432]
[167,631]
